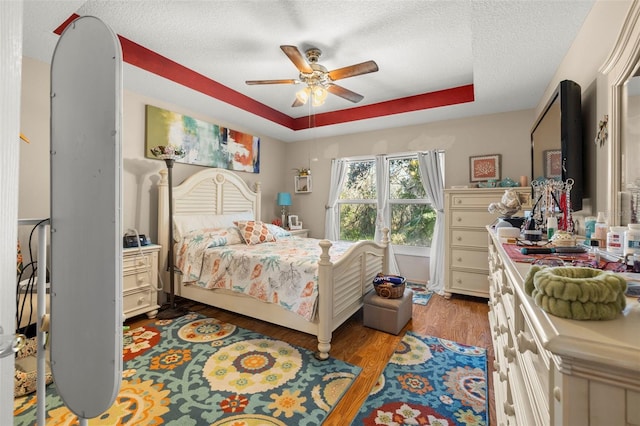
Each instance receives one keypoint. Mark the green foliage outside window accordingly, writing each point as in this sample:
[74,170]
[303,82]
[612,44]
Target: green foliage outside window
[412,217]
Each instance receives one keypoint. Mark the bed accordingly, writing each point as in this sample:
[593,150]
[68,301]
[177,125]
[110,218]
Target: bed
[341,284]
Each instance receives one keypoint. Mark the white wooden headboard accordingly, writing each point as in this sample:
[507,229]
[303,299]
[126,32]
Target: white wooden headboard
[210,191]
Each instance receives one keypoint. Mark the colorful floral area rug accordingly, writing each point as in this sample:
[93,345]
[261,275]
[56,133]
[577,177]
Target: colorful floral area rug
[195,370]
[429,381]
[421,295]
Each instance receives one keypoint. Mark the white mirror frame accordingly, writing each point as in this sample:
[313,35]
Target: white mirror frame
[617,69]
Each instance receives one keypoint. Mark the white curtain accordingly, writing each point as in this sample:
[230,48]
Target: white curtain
[431,166]
[383,217]
[338,174]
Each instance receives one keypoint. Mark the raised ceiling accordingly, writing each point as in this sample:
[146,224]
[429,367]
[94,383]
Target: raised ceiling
[474,57]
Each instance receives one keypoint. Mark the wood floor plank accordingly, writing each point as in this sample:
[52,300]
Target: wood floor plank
[461,319]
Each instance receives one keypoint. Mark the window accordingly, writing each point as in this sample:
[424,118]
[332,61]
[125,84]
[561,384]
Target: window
[411,215]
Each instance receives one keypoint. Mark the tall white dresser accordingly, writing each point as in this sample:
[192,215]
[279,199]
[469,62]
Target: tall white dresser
[465,253]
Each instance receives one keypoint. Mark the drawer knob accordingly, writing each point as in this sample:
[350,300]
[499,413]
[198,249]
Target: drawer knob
[458,201]
[459,259]
[525,343]
[140,262]
[459,238]
[506,290]
[140,280]
[508,409]
[459,219]
[557,393]
[459,280]
[509,353]
[140,300]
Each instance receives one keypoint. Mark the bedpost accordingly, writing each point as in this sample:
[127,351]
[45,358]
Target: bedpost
[325,301]
[163,226]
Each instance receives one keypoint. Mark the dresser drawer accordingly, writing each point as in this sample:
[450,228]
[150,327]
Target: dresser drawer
[474,199]
[471,219]
[469,238]
[535,362]
[468,283]
[470,259]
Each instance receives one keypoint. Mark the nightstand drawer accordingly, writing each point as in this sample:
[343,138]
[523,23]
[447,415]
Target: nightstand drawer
[136,300]
[136,262]
[136,280]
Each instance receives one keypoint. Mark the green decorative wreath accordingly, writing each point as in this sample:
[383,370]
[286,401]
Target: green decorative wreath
[577,293]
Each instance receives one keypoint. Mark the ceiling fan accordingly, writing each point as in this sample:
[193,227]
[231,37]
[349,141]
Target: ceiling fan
[317,78]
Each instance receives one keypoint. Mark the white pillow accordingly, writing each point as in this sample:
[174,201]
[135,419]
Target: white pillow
[184,224]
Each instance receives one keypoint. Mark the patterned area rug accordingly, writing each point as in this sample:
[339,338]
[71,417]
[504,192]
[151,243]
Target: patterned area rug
[429,381]
[195,370]
[421,295]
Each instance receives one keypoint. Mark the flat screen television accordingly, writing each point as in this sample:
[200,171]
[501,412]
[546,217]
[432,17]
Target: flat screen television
[556,140]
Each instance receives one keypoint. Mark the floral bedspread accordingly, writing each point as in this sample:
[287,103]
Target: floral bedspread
[283,272]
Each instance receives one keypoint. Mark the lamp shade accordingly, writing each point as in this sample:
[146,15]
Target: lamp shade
[284,199]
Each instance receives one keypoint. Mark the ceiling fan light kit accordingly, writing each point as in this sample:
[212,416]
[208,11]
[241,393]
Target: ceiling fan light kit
[318,80]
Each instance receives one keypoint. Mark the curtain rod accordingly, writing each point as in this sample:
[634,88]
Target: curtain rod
[395,155]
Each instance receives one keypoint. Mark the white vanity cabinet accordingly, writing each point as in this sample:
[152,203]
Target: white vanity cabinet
[465,254]
[558,372]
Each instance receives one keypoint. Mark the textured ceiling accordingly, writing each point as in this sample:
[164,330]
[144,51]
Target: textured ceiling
[507,50]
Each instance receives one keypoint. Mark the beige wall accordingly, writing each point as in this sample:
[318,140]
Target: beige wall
[506,134]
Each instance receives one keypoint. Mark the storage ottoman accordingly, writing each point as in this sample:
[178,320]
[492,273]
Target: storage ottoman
[389,315]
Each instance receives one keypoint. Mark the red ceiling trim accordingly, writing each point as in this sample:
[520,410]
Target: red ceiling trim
[152,62]
[440,98]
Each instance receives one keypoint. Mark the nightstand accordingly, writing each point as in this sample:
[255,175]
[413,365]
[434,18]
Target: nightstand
[304,233]
[140,281]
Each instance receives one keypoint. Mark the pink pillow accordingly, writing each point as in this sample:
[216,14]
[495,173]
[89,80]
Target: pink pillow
[254,232]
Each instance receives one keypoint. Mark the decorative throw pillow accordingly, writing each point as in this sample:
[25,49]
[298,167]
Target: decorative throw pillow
[185,224]
[254,232]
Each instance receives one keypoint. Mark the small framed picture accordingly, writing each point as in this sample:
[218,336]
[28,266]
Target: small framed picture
[484,167]
[552,163]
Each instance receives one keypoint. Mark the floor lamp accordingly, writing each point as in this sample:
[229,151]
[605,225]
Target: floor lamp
[169,155]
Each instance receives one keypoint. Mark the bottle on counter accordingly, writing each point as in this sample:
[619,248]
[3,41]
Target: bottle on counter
[594,254]
[615,240]
[600,231]
[632,239]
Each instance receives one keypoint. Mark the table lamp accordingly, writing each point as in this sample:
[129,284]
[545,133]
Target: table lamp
[284,200]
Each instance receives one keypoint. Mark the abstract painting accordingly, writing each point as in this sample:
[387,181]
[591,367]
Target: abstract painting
[204,144]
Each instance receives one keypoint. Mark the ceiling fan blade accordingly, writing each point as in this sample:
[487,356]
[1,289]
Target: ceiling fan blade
[286,81]
[297,58]
[297,103]
[345,93]
[353,70]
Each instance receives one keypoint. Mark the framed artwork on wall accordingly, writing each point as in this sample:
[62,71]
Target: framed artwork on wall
[484,167]
[552,163]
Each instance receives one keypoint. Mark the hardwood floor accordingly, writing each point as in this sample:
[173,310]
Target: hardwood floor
[461,319]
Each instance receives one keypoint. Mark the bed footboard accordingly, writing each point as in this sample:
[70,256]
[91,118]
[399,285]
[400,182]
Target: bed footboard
[343,284]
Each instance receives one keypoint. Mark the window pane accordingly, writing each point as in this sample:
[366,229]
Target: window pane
[404,179]
[357,221]
[412,224]
[360,183]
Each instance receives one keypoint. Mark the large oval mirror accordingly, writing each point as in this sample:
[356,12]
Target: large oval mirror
[630,153]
